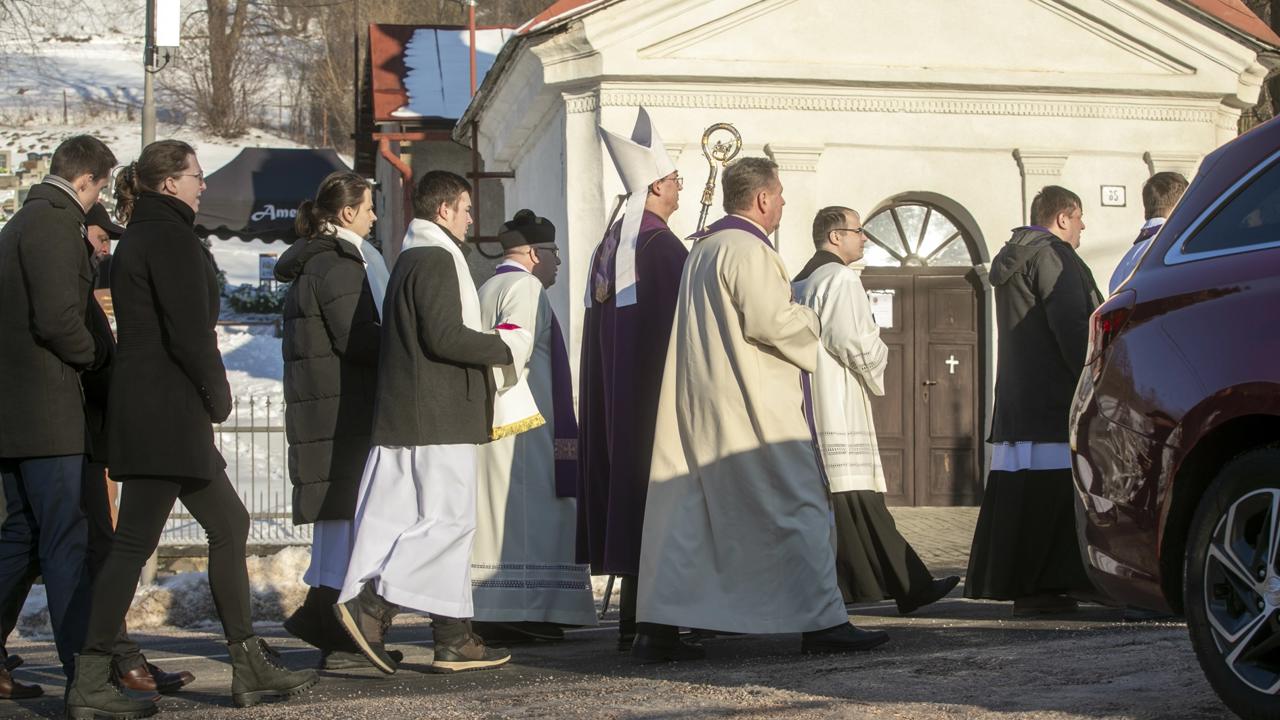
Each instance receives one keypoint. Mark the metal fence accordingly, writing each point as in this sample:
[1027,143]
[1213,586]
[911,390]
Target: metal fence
[253,443]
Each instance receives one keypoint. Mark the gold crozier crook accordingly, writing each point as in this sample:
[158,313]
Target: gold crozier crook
[720,151]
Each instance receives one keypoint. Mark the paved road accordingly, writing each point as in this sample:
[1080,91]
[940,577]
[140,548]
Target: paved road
[957,659]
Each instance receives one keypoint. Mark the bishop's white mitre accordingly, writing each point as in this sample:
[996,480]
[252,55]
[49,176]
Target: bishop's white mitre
[641,160]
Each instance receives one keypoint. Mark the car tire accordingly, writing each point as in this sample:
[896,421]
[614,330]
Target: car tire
[1232,583]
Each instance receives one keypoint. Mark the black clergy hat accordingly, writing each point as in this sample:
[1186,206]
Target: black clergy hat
[526,228]
[97,215]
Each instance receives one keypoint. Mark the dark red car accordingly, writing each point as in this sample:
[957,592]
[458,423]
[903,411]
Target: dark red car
[1175,428]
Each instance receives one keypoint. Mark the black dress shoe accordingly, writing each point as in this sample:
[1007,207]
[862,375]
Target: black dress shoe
[625,641]
[648,649]
[938,589]
[1137,615]
[842,638]
[13,662]
[11,689]
[1046,604]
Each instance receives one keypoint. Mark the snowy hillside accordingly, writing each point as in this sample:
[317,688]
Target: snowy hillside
[89,52]
[82,60]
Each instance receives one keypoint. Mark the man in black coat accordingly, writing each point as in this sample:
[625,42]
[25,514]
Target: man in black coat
[1024,545]
[46,281]
[416,513]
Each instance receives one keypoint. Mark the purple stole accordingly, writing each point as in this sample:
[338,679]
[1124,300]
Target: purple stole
[566,423]
[606,256]
[733,222]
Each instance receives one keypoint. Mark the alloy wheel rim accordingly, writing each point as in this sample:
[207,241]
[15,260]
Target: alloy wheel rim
[1242,589]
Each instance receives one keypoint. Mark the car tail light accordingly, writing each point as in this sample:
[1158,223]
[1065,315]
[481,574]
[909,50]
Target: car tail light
[1105,326]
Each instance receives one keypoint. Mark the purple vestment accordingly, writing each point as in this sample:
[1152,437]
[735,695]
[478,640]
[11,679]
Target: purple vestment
[624,351]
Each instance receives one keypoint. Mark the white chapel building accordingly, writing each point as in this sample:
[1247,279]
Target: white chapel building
[938,120]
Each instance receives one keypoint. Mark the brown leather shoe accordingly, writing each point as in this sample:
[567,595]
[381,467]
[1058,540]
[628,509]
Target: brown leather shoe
[148,678]
[11,689]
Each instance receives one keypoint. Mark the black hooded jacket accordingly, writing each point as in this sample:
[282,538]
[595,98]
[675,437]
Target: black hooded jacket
[331,340]
[1044,297]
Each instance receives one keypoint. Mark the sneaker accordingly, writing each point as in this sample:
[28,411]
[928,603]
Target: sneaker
[472,654]
[842,638]
[366,618]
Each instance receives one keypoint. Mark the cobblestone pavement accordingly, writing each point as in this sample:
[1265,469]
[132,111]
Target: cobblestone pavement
[956,659]
[941,535]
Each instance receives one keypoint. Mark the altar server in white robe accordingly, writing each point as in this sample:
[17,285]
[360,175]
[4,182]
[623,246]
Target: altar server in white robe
[873,560]
[737,529]
[416,508]
[526,583]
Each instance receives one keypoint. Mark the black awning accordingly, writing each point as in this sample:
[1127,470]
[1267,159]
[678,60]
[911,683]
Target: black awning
[256,195]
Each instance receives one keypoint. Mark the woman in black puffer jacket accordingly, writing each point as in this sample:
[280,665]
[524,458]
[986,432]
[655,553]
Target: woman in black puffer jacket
[331,329]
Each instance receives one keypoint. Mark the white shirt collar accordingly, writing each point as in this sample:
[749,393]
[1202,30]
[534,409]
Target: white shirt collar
[753,222]
[1154,222]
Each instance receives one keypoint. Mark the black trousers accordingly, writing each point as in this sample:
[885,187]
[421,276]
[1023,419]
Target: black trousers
[97,510]
[627,605]
[145,504]
[44,531]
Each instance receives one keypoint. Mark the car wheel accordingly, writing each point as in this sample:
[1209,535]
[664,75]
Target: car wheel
[1232,584]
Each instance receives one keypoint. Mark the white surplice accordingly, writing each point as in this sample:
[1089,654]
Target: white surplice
[849,371]
[522,563]
[416,510]
[737,530]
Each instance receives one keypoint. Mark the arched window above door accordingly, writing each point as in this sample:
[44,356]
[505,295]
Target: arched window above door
[915,234]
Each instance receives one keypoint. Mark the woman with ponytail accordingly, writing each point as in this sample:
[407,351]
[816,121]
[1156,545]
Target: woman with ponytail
[168,388]
[331,330]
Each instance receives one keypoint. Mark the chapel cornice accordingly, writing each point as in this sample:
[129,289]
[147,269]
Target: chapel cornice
[913,104]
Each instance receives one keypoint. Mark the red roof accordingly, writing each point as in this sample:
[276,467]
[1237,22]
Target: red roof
[1236,14]
[389,69]
[1233,13]
[557,10]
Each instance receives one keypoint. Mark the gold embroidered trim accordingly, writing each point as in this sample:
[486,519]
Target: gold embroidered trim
[515,428]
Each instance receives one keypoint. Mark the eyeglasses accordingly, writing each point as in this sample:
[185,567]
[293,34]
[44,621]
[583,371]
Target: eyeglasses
[857,230]
[549,248]
[679,182]
[198,176]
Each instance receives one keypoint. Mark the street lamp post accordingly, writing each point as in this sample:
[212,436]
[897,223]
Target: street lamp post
[148,78]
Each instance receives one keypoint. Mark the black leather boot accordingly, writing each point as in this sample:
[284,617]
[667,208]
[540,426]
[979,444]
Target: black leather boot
[92,695]
[256,674]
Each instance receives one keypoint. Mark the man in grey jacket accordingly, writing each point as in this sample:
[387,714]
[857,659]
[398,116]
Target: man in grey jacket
[1024,546]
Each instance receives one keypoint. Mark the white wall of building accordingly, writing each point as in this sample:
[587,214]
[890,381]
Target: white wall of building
[862,101]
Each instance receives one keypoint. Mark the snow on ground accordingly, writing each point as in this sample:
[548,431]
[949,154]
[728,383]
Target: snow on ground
[239,258]
[183,600]
[251,354]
